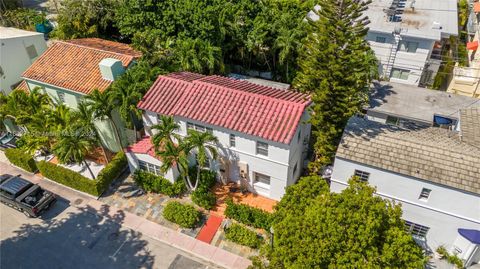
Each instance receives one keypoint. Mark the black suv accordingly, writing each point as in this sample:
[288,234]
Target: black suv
[25,196]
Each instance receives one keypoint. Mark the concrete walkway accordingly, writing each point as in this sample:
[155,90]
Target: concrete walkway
[181,241]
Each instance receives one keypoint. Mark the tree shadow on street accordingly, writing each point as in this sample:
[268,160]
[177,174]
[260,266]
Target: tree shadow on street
[80,240]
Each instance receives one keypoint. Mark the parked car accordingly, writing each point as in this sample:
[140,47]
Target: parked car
[25,196]
[4,177]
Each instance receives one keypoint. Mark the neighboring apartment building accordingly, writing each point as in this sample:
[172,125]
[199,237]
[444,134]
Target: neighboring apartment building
[407,37]
[434,173]
[18,50]
[69,70]
[262,131]
[400,104]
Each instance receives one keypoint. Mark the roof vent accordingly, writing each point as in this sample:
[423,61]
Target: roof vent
[111,68]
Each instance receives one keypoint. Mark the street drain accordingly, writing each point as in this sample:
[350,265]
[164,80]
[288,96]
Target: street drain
[78,201]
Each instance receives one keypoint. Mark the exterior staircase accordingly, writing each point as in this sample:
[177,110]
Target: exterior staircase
[392,55]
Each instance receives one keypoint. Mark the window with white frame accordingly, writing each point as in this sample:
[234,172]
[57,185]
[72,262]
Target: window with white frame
[362,175]
[424,194]
[61,97]
[380,39]
[416,229]
[262,148]
[408,46]
[149,167]
[233,141]
[199,128]
[400,73]
[261,178]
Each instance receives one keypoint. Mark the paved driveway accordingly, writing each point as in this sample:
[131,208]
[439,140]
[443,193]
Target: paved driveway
[70,237]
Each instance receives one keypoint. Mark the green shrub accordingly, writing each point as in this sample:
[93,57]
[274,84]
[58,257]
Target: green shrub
[111,171]
[153,183]
[21,159]
[184,215]
[204,198]
[243,236]
[452,259]
[248,215]
[207,178]
[68,177]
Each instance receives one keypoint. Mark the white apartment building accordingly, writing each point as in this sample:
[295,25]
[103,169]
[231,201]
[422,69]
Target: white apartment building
[407,37]
[18,50]
[262,131]
[434,173]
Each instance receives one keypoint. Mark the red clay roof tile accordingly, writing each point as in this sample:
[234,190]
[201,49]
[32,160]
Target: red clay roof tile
[75,66]
[266,112]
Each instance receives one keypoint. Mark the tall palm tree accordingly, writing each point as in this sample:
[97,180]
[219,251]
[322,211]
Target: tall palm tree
[126,95]
[102,105]
[200,144]
[287,43]
[175,156]
[165,133]
[73,148]
[84,122]
[198,56]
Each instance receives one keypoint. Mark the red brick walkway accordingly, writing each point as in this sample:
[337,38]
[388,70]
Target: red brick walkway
[208,231]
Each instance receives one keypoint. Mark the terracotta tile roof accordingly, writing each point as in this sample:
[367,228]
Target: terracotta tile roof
[23,87]
[73,67]
[143,146]
[106,45]
[245,107]
[428,153]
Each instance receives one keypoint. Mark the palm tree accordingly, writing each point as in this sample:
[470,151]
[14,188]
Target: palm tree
[175,156]
[198,56]
[73,148]
[165,133]
[201,144]
[287,42]
[102,105]
[84,121]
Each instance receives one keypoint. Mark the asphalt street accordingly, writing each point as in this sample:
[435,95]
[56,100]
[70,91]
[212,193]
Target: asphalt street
[69,237]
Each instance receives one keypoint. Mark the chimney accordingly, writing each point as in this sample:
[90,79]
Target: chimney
[111,68]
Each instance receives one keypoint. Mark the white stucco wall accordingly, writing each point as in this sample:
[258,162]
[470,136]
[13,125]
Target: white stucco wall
[414,62]
[446,210]
[14,59]
[133,159]
[278,164]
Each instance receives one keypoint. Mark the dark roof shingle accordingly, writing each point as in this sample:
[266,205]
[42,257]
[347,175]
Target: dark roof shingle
[428,153]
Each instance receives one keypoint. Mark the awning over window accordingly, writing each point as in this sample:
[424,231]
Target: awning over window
[471,235]
[476,7]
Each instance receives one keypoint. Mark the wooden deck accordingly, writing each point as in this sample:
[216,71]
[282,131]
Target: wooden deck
[222,191]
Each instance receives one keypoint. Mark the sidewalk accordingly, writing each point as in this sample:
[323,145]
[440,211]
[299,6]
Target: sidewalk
[176,239]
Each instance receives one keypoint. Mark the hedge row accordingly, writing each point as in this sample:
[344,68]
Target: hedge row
[248,215]
[76,181]
[182,214]
[203,196]
[153,183]
[243,236]
[111,171]
[68,177]
[21,159]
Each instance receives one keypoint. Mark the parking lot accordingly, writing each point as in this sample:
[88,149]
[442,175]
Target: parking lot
[70,237]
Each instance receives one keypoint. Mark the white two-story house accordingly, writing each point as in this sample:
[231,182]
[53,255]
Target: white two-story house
[407,37]
[434,173]
[262,131]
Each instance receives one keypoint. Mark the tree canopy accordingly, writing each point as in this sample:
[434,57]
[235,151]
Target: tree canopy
[336,68]
[314,228]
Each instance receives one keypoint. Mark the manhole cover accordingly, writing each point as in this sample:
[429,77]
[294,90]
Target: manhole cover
[78,201]
[113,236]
